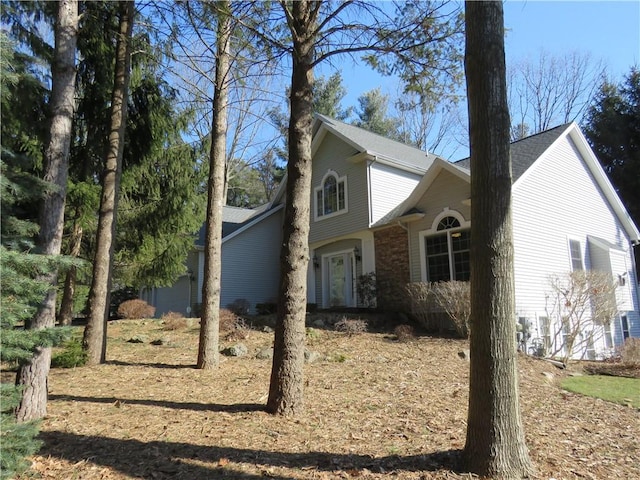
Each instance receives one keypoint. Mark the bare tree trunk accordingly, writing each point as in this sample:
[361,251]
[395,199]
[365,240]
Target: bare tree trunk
[287,376]
[32,376]
[65,316]
[95,333]
[208,357]
[495,445]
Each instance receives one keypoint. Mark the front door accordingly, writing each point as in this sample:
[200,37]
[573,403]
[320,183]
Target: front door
[339,280]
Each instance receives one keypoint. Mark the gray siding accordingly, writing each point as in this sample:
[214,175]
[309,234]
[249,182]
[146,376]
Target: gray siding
[446,191]
[389,188]
[251,263]
[331,155]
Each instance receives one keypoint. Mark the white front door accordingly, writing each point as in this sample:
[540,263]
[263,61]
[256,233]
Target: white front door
[339,280]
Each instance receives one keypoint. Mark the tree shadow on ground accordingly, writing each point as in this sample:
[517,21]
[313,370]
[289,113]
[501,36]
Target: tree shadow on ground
[162,459]
[212,407]
[152,365]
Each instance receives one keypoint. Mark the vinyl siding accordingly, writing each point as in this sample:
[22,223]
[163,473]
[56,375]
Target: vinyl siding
[251,263]
[389,187]
[446,191]
[559,200]
[331,155]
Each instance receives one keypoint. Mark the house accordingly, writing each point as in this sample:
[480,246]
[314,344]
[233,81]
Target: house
[381,206]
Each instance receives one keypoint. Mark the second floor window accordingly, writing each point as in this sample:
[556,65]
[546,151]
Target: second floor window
[331,196]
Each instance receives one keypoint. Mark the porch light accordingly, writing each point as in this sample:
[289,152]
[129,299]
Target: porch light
[316,262]
[356,253]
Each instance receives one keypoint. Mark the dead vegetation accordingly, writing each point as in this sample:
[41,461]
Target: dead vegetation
[387,410]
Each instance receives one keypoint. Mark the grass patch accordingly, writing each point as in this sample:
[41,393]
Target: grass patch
[620,390]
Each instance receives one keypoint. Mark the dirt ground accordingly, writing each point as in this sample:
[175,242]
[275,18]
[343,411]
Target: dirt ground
[375,408]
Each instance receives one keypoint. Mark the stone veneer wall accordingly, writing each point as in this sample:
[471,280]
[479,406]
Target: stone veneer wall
[392,267]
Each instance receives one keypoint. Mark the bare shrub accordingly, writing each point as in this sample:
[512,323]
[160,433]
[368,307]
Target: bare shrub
[579,305]
[229,321]
[351,326]
[404,333]
[173,321]
[136,308]
[455,298]
[630,351]
[430,300]
[240,306]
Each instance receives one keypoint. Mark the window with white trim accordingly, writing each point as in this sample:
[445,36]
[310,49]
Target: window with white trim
[575,250]
[331,195]
[624,321]
[448,253]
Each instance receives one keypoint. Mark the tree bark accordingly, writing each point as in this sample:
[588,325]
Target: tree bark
[65,315]
[286,391]
[208,356]
[32,376]
[95,338]
[495,445]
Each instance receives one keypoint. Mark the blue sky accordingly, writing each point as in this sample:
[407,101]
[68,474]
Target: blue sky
[607,30]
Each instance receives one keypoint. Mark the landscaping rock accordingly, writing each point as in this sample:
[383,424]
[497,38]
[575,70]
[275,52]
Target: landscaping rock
[238,350]
[311,356]
[318,323]
[549,376]
[464,354]
[265,353]
[267,329]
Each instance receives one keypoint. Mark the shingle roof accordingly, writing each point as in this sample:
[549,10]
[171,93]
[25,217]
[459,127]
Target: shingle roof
[526,151]
[233,218]
[365,141]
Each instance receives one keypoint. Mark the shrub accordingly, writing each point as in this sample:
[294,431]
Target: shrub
[240,306]
[72,355]
[136,308]
[366,288]
[630,351]
[431,301]
[266,308]
[404,333]
[229,321]
[351,326]
[117,298]
[173,321]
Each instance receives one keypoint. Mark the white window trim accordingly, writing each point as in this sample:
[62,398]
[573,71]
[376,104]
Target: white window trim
[321,187]
[446,212]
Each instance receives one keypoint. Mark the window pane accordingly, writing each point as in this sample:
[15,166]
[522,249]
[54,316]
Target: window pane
[438,268]
[319,207]
[576,255]
[461,266]
[437,244]
[330,195]
[448,222]
[341,202]
[461,240]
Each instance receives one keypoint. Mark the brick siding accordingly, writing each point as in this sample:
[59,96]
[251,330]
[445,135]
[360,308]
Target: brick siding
[392,267]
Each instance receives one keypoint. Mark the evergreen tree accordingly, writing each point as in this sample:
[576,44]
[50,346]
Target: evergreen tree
[373,115]
[613,130]
[20,290]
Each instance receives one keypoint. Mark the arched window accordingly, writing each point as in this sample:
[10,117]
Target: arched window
[447,252]
[331,197]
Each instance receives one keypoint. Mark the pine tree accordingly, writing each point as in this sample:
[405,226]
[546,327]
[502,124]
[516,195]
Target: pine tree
[20,291]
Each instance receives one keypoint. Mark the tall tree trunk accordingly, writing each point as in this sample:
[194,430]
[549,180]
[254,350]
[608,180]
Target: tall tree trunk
[33,375]
[495,443]
[65,316]
[95,333]
[208,356]
[287,375]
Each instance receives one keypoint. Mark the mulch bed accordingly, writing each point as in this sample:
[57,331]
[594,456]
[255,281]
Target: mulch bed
[375,408]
